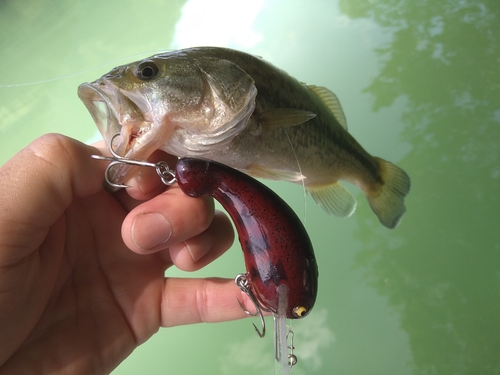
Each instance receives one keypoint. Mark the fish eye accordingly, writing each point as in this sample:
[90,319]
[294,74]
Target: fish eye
[300,311]
[146,70]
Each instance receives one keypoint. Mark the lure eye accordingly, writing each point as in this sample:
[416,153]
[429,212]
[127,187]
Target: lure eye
[146,70]
[300,311]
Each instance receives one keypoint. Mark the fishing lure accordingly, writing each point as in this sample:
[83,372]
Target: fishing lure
[282,272]
[275,244]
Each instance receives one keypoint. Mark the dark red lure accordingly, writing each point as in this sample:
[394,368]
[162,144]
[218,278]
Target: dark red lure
[276,246]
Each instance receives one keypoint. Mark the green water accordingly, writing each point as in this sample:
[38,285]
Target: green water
[419,82]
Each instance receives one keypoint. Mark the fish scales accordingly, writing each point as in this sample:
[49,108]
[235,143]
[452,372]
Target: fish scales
[317,137]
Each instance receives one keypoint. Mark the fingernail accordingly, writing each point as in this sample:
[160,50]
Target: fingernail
[150,230]
[188,248]
[198,246]
[146,180]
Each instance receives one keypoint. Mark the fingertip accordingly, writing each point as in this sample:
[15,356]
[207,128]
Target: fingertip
[147,183]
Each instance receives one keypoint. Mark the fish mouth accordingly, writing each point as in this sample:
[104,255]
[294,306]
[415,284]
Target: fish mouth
[101,109]
[115,113]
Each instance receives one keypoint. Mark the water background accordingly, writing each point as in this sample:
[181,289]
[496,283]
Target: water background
[419,82]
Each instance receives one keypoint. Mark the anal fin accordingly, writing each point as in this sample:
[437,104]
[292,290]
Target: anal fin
[335,199]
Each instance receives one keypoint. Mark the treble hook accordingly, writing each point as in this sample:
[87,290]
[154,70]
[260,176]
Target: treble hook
[242,282]
[162,169]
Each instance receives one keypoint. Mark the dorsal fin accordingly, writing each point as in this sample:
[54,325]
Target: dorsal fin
[331,101]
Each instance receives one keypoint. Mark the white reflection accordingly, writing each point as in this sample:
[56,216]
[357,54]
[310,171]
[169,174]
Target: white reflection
[252,353]
[312,338]
[223,23]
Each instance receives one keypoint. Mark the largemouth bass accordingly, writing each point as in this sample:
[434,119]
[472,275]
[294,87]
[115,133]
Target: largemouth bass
[238,109]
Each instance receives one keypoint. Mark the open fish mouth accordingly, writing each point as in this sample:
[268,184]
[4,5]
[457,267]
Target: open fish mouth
[101,109]
[114,113]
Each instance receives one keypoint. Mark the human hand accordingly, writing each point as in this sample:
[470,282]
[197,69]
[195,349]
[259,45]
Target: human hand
[73,298]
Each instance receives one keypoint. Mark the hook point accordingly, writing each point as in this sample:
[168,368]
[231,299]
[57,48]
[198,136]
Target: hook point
[242,282]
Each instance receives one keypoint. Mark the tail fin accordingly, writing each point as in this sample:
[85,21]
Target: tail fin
[388,201]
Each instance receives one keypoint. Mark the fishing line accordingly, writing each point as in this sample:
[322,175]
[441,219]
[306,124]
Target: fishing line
[300,171]
[10,85]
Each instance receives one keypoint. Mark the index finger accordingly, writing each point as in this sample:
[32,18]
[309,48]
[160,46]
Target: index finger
[190,301]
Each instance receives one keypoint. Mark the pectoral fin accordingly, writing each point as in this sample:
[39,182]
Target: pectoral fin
[273,174]
[283,118]
[335,199]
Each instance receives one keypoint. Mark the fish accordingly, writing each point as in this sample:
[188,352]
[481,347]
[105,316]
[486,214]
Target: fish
[240,110]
